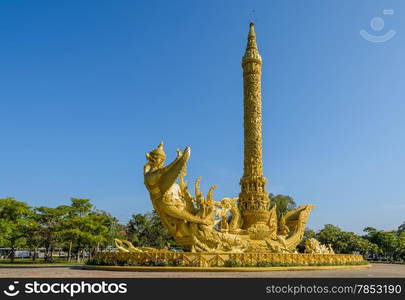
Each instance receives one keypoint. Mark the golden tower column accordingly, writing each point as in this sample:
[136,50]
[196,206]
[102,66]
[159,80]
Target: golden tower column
[253,199]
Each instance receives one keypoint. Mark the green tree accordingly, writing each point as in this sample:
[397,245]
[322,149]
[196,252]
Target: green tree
[401,250]
[389,243]
[49,226]
[147,230]
[15,216]
[32,237]
[345,242]
[4,231]
[401,228]
[330,234]
[85,228]
[283,204]
[107,227]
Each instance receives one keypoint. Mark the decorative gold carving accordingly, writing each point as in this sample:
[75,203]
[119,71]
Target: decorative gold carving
[314,246]
[126,247]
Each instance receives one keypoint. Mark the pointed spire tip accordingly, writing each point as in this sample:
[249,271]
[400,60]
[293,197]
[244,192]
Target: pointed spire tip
[251,48]
[252,29]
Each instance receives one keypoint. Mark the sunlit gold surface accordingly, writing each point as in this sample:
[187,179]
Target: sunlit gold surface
[313,246]
[253,198]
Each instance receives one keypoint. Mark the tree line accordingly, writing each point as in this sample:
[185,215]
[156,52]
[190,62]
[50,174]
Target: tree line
[374,243]
[76,228]
[80,228]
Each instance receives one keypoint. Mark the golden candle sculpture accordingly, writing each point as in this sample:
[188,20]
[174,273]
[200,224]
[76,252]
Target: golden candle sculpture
[245,228]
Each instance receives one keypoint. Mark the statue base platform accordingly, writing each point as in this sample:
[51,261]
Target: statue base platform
[225,260]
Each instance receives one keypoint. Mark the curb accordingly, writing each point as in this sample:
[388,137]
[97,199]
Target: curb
[220,269]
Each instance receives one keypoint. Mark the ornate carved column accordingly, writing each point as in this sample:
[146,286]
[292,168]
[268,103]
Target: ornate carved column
[253,199]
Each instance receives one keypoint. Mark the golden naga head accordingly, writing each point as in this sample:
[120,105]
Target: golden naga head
[155,158]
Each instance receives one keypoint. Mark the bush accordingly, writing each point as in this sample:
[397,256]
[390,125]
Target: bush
[232,264]
[155,263]
[176,262]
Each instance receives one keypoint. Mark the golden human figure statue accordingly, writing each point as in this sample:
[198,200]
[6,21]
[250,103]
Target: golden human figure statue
[191,220]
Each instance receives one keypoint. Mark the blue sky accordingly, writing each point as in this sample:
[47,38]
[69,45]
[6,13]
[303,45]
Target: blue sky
[88,87]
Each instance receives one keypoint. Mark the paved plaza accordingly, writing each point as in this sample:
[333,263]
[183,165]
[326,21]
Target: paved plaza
[376,270]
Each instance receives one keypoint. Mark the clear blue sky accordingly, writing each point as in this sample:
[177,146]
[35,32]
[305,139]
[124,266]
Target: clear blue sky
[88,87]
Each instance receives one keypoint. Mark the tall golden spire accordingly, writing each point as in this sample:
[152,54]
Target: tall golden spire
[253,199]
[251,53]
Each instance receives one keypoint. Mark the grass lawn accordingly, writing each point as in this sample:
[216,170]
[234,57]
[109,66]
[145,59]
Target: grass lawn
[22,262]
